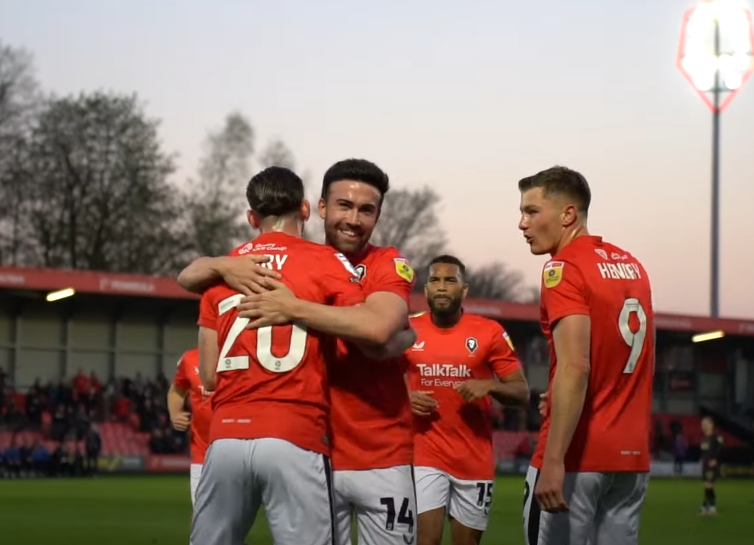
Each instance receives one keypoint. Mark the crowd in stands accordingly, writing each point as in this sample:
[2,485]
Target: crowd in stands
[53,429]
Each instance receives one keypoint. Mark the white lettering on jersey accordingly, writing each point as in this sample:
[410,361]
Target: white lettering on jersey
[276,261]
[619,271]
[436,374]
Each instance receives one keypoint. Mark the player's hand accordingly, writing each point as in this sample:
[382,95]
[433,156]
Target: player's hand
[422,402]
[549,489]
[244,273]
[542,407]
[474,389]
[271,306]
[180,420]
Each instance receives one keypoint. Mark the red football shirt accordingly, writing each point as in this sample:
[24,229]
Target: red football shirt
[371,415]
[272,382]
[594,278]
[187,379]
[457,437]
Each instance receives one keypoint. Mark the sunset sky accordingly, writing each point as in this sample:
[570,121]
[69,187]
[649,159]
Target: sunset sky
[467,97]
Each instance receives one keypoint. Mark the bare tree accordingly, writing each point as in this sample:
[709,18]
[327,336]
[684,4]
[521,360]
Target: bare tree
[19,97]
[497,281]
[410,222]
[97,190]
[215,205]
[277,154]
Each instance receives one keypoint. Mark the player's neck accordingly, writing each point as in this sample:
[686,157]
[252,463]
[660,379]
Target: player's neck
[286,225]
[446,321]
[569,235]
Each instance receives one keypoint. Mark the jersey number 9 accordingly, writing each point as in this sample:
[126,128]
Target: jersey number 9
[634,340]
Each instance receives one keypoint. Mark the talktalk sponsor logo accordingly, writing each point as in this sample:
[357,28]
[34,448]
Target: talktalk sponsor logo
[437,375]
[444,370]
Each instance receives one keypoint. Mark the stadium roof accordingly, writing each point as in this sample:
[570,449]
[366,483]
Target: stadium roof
[167,288]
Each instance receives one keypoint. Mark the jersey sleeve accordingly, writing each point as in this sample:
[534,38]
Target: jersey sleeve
[502,357]
[564,291]
[181,379]
[393,273]
[208,310]
[340,280]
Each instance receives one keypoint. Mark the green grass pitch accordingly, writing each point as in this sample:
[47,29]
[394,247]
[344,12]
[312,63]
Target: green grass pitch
[156,510]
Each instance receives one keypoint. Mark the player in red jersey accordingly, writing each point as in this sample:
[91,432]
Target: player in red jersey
[451,374]
[187,383]
[589,475]
[269,434]
[371,417]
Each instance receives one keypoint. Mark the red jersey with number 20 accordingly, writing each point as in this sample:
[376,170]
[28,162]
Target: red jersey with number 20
[457,437]
[187,379]
[371,414]
[272,381]
[597,279]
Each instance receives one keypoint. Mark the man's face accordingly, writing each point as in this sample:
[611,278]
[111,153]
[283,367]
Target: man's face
[350,212]
[541,221]
[707,426]
[445,289]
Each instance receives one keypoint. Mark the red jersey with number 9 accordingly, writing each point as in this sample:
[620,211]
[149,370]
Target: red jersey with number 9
[597,279]
[272,381]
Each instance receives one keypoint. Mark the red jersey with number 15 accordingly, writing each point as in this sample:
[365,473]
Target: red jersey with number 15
[187,379]
[371,414]
[272,381]
[457,437]
[597,279]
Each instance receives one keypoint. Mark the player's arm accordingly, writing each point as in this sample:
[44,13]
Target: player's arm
[511,386]
[572,339]
[208,354]
[239,272]
[397,345]
[564,297]
[208,349]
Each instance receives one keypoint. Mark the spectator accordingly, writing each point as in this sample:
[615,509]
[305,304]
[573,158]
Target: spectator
[93,449]
[40,459]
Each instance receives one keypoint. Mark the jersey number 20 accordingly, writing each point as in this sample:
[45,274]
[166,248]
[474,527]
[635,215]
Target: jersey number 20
[634,340]
[264,354]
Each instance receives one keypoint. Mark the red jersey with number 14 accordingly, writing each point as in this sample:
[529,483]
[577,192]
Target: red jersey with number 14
[371,414]
[187,379]
[457,437]
[272,381]
[594,278]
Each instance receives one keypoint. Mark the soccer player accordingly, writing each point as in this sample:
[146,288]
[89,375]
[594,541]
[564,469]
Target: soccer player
[372,448]
[589,475]
[187,383]
[269,435]
[711,446]
[451,375]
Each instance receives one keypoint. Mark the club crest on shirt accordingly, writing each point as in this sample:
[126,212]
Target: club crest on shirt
[471,345]
[403,269]
[552,274]
[347,264]
[361,271]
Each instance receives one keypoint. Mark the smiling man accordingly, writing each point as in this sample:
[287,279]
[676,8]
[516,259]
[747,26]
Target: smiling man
[589,475]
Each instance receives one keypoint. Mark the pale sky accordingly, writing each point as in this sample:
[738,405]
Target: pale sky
[468,97]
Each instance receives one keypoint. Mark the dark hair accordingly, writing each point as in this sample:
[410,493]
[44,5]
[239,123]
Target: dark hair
[275,191]
[357,170]
[563,181]
[449,260]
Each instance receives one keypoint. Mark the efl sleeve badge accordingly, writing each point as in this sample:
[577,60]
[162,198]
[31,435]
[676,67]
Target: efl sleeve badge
[552,274]
[403,269]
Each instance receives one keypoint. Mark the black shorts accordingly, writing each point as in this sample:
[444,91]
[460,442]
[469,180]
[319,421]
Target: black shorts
[710,474]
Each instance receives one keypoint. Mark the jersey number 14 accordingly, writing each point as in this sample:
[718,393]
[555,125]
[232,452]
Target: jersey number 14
[634,339]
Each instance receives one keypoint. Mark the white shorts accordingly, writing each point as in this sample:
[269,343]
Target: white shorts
[239,476]
[469,502]
[194,473]
[384,501]
[604,509]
